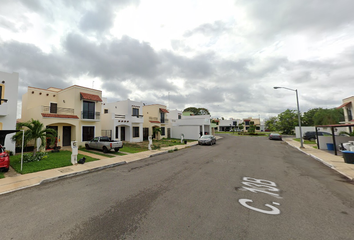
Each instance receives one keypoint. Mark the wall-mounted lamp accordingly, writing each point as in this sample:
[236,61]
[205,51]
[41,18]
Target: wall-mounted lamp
[3,100]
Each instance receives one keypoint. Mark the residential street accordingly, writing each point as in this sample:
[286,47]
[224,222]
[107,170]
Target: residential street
[202,192]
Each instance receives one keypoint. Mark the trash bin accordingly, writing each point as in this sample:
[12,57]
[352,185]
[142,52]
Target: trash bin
[348,156]
[185,141]
[330,146]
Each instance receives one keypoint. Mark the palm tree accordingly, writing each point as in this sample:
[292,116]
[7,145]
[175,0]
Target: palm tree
[34,130]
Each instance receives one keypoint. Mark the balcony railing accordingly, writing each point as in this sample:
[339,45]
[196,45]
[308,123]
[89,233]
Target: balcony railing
[90,115]
[138,116]
[153,119]
[164,121]
[119,116]
[60,110]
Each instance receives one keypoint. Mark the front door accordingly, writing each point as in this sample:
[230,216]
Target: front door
[66,135]
[145,133]
[122,133]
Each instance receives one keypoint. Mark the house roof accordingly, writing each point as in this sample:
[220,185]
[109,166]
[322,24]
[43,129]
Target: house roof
[54,115]
[91,97]
[163,110]
[343,105]
[155,121]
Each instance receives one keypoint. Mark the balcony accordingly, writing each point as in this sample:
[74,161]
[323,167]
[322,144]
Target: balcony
[90,116]
[60,110]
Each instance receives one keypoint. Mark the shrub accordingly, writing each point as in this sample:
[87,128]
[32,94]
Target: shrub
[28,157]
[176,149]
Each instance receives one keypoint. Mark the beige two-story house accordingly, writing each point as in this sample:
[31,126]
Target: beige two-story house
[74,112]
[155,116]
[348,108]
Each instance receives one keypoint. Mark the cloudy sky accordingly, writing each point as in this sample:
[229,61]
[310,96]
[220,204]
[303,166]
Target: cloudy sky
[224,55]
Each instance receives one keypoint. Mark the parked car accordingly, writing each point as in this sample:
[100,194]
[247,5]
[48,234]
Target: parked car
[104,143]
[4,159]
[275,136]
[312,135]
[207,140]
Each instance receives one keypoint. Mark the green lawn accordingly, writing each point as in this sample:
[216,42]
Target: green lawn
[54,160]
[1,175]
[305,141]
[156,144]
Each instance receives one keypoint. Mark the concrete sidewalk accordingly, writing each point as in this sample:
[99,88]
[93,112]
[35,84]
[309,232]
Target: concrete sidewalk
[17,181]
[335,162]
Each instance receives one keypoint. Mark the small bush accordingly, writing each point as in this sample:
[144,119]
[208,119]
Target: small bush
[155,147]
[28,157]
[176,149]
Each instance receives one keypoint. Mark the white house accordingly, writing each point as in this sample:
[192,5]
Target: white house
[227,125]
[123,120]
[8,105]
[190,126]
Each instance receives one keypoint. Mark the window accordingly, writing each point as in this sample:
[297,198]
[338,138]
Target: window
[135,131]
[88,133]
[53,108]
[162,117]
[247,123]
[106,111]
[135,111]
[179,116]
[0,94]
[88,110]
[162,131]
[350,116]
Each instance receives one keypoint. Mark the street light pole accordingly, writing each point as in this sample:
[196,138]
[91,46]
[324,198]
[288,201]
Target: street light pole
[298,113]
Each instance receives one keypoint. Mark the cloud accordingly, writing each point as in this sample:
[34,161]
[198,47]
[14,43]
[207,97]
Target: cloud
[210,29]
[313,16]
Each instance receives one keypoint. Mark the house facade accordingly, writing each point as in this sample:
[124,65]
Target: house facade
[247,124]
[155,116]
[191,126]
[228,125]
[74,112]
[123,120]
[348,109]
[8,106]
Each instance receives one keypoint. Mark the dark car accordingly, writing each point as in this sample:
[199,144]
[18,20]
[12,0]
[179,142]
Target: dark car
[4,159]
[312,135]
[275,136]
[207,140]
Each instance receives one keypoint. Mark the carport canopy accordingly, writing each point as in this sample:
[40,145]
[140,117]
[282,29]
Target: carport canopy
[333,126]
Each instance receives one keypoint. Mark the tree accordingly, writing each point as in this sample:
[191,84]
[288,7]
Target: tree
[34,129]
[197,111]
[252,127]
[308,117]
[328,116]
[271,123]
[287,121]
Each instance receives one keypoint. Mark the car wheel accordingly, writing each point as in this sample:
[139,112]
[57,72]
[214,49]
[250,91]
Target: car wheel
[6,169]
[105,150]
[116,149]
[87,146]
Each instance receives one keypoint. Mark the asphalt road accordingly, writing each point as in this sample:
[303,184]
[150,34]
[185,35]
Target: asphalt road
[203,192]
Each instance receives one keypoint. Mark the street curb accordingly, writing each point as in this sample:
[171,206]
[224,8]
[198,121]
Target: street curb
[82,172]
[321,161]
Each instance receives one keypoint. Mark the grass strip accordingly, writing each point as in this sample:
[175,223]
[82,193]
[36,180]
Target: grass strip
[53,160]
